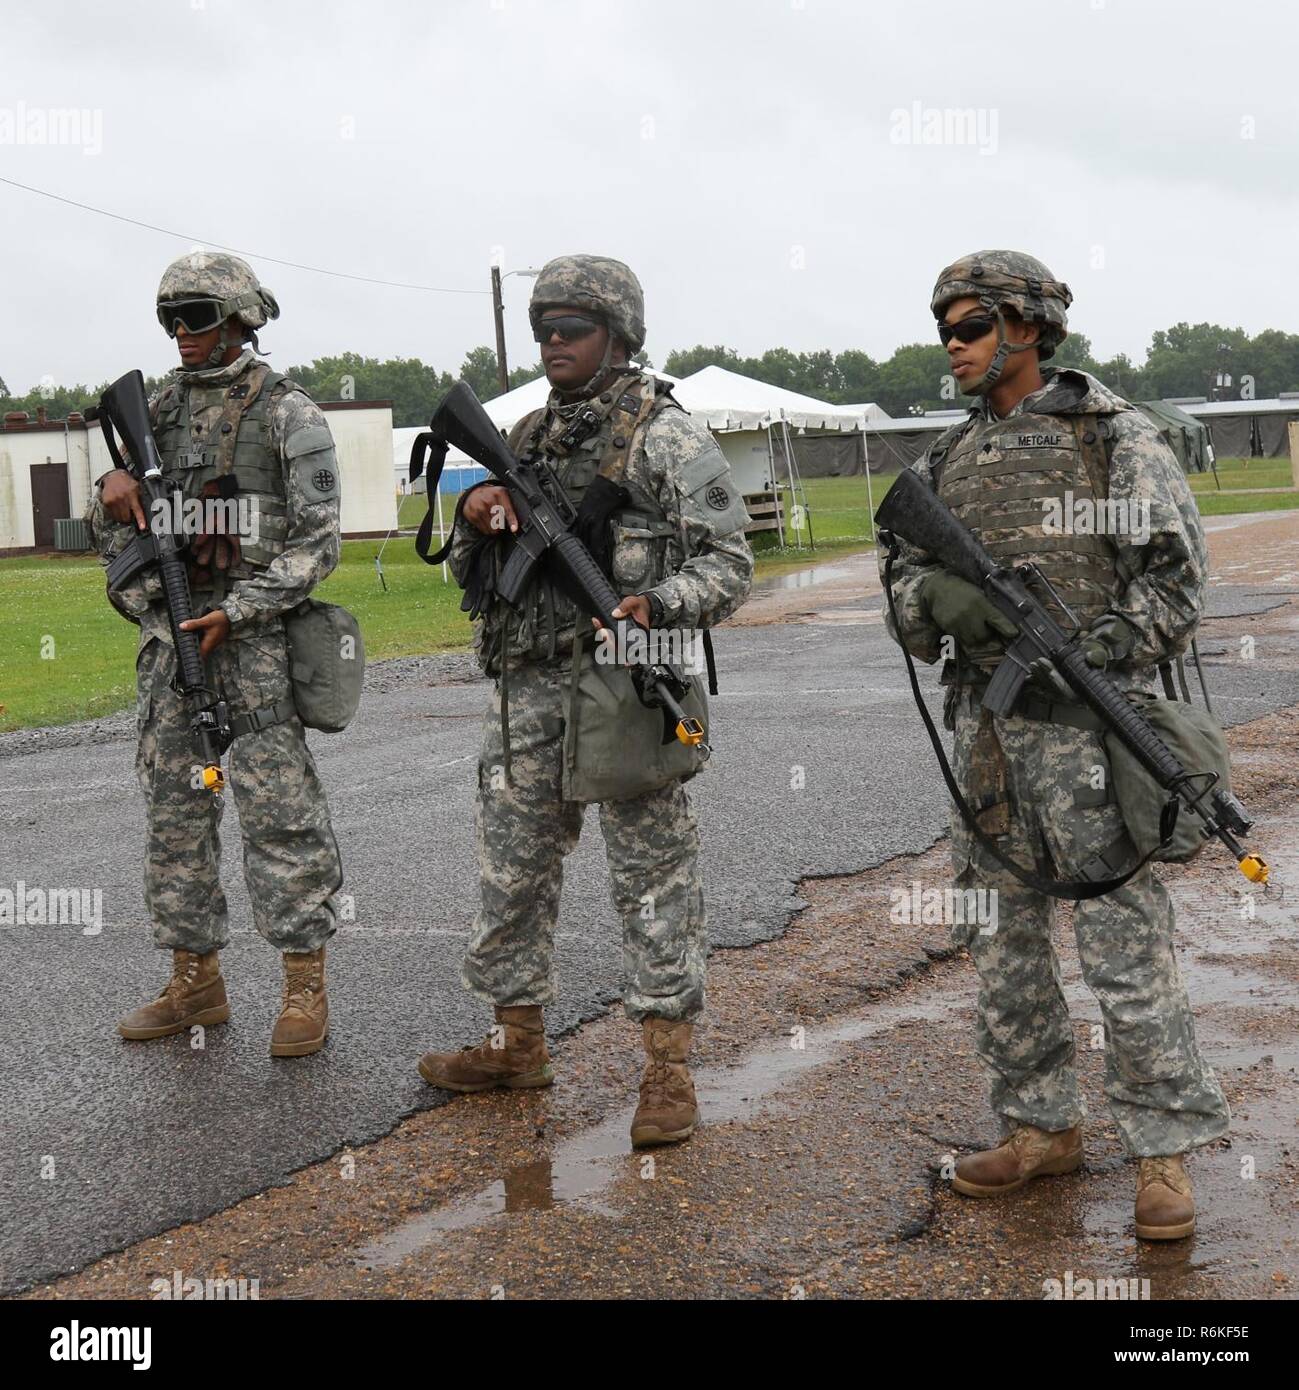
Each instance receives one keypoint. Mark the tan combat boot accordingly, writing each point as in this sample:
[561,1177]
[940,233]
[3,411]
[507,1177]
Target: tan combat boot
[1165,1207]
[1028,1153]
[513,1054]
[195,994]
[304,1015]
[667,1111]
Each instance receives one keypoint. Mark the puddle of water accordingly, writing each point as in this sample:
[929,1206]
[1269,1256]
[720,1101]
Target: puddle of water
[804,579]
[587,1163]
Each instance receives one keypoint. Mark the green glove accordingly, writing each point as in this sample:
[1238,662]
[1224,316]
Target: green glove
[1108,639]
[958,608]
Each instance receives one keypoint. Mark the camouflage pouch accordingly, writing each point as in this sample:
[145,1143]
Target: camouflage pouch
[613,744]
[1195,737]
[988,792]
[326,664]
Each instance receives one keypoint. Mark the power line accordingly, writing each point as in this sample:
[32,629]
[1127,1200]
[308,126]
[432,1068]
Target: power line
[257,255]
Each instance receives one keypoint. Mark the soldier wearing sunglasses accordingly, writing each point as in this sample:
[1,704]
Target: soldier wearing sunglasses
[229,427]
[1037,442]
[658,509]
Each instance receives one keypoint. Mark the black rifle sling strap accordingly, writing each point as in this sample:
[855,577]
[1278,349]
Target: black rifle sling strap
[436,449]
[1071,890]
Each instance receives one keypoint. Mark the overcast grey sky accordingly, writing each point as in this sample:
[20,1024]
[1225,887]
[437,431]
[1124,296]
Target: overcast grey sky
[757,162]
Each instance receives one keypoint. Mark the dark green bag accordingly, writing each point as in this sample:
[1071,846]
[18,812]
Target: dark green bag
[613,744]
[326,664]
[1197,740]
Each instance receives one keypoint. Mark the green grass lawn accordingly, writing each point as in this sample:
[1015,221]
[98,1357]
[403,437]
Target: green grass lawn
[1243,473]
[66,655]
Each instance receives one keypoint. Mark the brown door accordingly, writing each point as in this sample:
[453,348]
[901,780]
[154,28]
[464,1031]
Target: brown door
[49,499]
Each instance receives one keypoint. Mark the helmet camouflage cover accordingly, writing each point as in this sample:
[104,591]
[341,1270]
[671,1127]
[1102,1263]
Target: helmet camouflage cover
[1009,279]
[219,275]
[598,284]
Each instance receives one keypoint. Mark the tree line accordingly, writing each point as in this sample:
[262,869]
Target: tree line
[1185,360]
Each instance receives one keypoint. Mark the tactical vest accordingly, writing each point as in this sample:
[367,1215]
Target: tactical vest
[641,530]
[238,444]
[1006,478]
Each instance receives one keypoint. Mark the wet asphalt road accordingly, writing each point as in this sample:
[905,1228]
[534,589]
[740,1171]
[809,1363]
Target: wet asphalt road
[106,1142]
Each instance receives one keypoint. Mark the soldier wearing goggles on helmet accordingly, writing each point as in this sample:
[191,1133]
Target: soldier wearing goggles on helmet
[226,425]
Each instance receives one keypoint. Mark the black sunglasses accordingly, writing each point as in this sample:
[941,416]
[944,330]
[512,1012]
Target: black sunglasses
[570,328]
[967,330]
[193,315]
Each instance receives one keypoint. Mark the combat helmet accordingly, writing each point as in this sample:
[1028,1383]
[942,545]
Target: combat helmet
[1007,279]
[603,287]
[226,286]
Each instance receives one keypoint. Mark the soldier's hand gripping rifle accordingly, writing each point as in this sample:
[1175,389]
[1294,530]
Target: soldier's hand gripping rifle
[914,511]
[545,536]
[123,411]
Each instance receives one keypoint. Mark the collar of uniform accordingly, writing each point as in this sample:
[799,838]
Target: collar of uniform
[604,402]
[220,376]
[1060,389]
[618,376]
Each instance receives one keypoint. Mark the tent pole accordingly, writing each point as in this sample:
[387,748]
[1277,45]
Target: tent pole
[775,491]
[870,499]
[442,532]
[796,482]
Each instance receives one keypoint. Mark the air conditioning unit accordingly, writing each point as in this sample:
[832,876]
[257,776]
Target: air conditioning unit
[72,533]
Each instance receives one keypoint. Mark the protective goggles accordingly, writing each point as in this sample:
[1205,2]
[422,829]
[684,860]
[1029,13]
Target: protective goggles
[967,330]
[193,315]
[570,327]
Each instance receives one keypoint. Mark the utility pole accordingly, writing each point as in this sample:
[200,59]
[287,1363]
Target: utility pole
[498,311]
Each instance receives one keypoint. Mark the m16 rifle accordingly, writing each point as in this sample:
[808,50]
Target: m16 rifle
[546,537]
[123,411]
[914,511]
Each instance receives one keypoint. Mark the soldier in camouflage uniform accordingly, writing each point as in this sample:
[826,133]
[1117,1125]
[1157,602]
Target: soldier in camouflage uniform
[228,426]
[657,506]
[1035,445]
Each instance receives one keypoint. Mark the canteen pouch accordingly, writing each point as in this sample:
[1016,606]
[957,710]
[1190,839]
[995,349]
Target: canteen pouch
[1195,737]
[326,664]
[613,744]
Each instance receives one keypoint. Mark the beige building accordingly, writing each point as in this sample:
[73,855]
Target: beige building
[48,468]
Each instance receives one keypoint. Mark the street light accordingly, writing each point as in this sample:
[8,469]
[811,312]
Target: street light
[498,312]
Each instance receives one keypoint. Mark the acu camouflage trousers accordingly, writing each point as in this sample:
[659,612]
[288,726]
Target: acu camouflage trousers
[524,829]
[291,860]
[1164,1098]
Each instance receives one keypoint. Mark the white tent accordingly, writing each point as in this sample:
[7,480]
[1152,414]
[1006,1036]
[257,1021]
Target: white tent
[503,411]
[726,401]
[742,412]
[753,422]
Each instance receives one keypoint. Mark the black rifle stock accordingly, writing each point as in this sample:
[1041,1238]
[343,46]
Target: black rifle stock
[545,533]
[123,410]
[914,511]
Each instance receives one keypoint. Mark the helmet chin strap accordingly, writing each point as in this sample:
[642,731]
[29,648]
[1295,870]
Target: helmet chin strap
[591,386]
[216,358]
[981,385]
